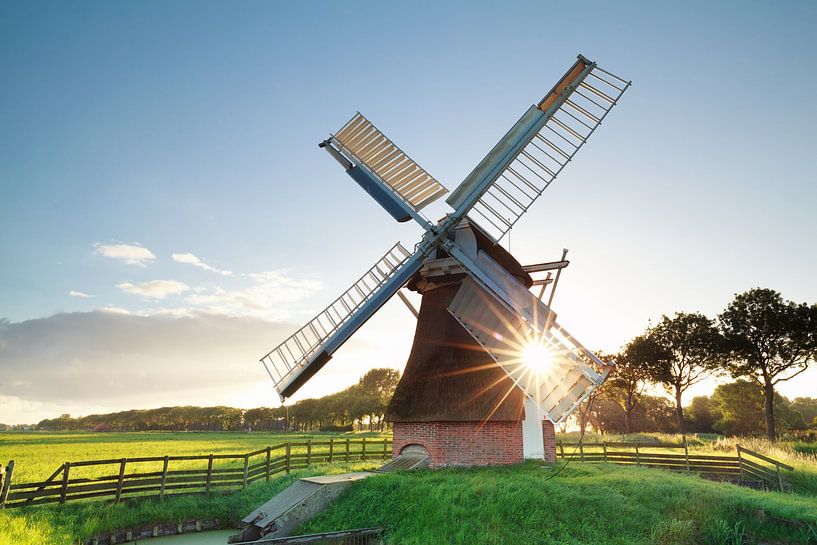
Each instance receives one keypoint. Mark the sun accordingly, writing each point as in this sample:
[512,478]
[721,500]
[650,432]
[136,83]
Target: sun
[537,358]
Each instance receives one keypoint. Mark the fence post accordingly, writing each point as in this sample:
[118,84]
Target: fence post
[364,449]
[309,452]
[561,449]
[246,470]
[289,456]
[385,449]
[604,446]
[686,452]
[779,477]
[331,448]
[268,460]
[637,455]
[209,475]
[347,449]
[121,480]
[164,478]
[64,490]
[5,483]
[581,451]
[740,462]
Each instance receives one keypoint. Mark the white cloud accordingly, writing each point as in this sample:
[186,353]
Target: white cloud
[191,259]
[154,289]
[80,294]
[127,253]
[271,296]
[113,310]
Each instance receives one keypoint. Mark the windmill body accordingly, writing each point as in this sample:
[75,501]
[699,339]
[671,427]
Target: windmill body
[471,393]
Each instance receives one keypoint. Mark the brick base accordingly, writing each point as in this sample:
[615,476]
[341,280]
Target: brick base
[549,440]
[464,443]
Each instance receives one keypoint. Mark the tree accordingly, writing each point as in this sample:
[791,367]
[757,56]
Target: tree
[626,384]
[806,406]
[740,405]
[678,353]
[585,410]
[770,341]
[704,411]
[377,387]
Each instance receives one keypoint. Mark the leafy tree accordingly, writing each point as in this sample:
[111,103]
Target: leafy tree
[626,384]
[584,411]
[806,406]
[770,341]
[741,404]
[704,411]
[679,352]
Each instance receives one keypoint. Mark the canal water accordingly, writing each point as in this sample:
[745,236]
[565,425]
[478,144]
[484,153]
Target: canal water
[215,537]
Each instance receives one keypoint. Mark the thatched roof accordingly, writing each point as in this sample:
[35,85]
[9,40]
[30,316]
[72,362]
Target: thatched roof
[448,377]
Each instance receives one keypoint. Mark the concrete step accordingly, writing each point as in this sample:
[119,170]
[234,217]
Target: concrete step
[296,504]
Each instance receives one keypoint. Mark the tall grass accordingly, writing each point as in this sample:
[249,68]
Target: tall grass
[803,479]
[584,504]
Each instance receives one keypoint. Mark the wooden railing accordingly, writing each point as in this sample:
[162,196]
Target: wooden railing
[167,475]
[747,467]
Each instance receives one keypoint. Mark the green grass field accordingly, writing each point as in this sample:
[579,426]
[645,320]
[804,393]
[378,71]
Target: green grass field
[73,523]
[585,504]
[37,454]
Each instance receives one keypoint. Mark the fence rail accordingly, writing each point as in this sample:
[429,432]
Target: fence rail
[167,475]
[746,467]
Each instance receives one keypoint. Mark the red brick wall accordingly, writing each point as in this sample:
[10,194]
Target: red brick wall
[549,439]
[463,443]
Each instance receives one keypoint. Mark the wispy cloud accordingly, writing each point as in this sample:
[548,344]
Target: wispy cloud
[154,289]
[268,297]
[113,310]
[80,294]
[191,259]
[126,253]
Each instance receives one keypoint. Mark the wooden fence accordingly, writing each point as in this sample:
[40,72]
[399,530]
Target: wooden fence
[746,467]
[161,476]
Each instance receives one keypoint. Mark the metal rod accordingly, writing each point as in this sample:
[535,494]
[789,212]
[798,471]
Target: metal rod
[556,281]
[611,84]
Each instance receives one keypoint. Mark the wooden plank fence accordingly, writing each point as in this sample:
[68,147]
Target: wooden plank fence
[746,467]
[167,475]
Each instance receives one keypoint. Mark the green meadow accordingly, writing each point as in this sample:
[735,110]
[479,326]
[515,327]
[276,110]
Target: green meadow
[38,454]
[531,503]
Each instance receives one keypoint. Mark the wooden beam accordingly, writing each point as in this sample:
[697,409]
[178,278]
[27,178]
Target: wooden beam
[549,266]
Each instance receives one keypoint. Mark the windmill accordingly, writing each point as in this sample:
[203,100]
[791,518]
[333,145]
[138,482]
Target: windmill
[488,354]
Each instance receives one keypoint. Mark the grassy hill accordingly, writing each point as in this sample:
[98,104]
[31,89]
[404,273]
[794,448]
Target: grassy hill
[584,504]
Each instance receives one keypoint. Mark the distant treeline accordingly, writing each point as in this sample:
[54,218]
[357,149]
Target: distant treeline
[360,406]
[735,408]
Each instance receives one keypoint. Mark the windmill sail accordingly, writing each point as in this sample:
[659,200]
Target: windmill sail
[536,149]
[363,144]
[305,352]
[558,388]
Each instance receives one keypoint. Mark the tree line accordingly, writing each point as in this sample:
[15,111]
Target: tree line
[361,406]
[760,340]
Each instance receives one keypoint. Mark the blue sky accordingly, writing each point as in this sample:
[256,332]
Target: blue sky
[192,128]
